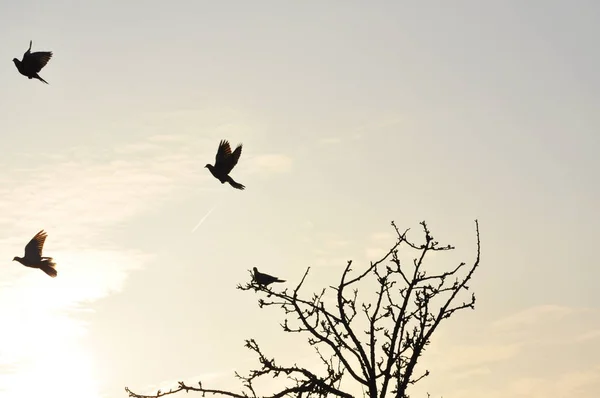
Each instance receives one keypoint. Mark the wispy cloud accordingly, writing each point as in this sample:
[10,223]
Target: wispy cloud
[531,316]
[330,140]
[581,383]
[465,356]
[270,164]
[469,374]
[162,138]
[587,336]
[378,245]
[331,261]
[382,236]
[77,196]
[514,347]
[213,379]
[93,188]
[80,195]
[358,132]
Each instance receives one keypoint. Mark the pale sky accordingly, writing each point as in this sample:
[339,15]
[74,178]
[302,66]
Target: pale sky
[352,114]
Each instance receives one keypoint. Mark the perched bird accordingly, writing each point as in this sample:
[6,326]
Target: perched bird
[32,63]
[224,163]
[33,255]
[264,279]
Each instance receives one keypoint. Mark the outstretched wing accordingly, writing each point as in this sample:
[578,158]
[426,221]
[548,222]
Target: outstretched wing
[223,153]
[33,250]
[36,61]
[26,53]
[233,159]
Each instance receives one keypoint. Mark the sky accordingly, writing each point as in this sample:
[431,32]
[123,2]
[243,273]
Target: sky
[352,114]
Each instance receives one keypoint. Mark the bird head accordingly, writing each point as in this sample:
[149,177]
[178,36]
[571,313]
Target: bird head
[16,61]
[255,269]
[208,166]
[16,258]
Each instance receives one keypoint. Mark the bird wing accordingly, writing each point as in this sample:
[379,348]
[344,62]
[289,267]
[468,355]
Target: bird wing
[36,244]
[36,61]
[223,153]
[26,53]
[233,159]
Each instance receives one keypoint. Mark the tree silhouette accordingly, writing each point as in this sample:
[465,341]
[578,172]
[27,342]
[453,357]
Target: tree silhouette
[375,343]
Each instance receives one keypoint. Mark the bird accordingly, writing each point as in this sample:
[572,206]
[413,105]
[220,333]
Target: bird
[33,255]
[225,161]
[264,279]
[32,63]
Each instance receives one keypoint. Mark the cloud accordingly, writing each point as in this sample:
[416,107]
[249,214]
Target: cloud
[379,245]
[162,138]
[77,197]
[582,383]
[476,355]
[328,249]
[80,196]
[528,329]
[333,241]
[96,190]
[381,124]
[471,373]
[329,261]
[589,335]
[383,236]
[330,141]
[369,128]
[307,224]
[210,379]
[375,253]
[270,164]
[136,148]
[167,385]
[535,315]
[545,350]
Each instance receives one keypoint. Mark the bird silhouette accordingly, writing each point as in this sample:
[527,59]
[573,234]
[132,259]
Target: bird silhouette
[33,255]
[32,63]
[225,161]
[264,279]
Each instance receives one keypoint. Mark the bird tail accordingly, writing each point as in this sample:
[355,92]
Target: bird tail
[279,280]
[234,184]
[49,267]
[38,77]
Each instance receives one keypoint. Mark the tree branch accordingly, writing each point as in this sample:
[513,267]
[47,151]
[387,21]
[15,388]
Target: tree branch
[400,321]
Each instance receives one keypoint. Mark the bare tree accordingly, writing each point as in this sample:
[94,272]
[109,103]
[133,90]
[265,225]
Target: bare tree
[375,343]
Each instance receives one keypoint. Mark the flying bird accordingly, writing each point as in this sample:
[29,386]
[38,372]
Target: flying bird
[32,63]
[225,161]
[264,279]
[33,255]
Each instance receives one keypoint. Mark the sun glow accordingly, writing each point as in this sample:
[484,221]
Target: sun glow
[42,352]
[61,369]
